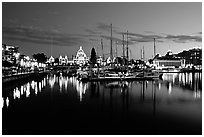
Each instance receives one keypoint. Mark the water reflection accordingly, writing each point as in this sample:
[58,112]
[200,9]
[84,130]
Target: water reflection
[173,85]
[197,94]
[81,89]
[6,102]
[190,81]
[52,80]
[173,98]
[36,88]
[16,93]
[25,90]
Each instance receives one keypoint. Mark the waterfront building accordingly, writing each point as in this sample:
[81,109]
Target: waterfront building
[108,60]
[51,60]
[192,56]
[10,53]
[63,60]
[168,61]
[80,58]
[100,60]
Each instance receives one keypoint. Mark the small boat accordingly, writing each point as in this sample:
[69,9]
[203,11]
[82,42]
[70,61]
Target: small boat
[150,74]
[118,76]
[117,84]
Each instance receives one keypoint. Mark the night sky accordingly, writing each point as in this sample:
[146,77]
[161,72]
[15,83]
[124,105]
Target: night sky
[65,26]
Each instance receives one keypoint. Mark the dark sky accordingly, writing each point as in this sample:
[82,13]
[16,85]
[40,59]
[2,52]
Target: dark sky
[36,27]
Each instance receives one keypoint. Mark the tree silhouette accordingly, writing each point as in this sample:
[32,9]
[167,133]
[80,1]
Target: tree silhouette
[40,57]
[93,58]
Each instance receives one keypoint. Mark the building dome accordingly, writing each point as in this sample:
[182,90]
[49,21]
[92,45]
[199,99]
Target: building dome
[81,57]
[80,53]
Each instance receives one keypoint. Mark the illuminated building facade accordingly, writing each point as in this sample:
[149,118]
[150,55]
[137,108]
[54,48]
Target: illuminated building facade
[168,61]
[10,53]
[80,58]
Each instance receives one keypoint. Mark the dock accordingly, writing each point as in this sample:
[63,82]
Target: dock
[21,76]
[115,79]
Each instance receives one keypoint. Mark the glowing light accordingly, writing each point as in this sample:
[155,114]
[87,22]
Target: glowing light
[16,93]
[84,88]
[22,62]
[36,88]
[65,83]
[159,86]
[52,81]
[7,101]
[33,84]
[80,91]
[39,86]
[22,90]
[44,82]
[170,88]
[28,90]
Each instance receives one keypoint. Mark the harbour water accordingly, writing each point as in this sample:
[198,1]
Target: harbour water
[64,105]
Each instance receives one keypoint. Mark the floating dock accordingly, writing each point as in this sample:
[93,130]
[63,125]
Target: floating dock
[116,79]
[23,76]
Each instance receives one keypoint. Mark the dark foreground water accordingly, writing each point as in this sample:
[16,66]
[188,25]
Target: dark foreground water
[62,105]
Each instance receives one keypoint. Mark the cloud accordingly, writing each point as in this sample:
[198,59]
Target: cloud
[36,35]
[184,38]
[39,36]
[151,32]
[94,32]
[136,37]
[106,27]
[94,40]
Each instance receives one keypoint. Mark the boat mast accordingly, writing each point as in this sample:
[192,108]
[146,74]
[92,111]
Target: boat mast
[116,52]
[127,46]
[116,49]
[154,48]
[102,48]
[111,48]
[127,53]
[123,51]
[123,47]
[143,54]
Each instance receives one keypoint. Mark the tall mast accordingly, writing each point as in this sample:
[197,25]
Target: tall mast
[127,46]
[143,54]
[116,49]
[116,52]
[154,48]
[102,48]
[123,47]
[111,48]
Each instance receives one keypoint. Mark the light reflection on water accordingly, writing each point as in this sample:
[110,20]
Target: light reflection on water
[66,99]
[25,90]
[173,88]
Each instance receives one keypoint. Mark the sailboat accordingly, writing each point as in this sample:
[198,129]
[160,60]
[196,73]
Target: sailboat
[113,75]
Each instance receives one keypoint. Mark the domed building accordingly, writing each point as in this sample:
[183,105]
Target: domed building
[81,57]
